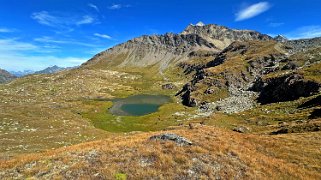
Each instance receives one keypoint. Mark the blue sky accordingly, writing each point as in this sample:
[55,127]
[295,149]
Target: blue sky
[35,34]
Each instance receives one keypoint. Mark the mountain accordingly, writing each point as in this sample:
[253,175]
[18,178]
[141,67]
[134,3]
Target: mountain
[50,70]
[222,36]
[301,45]
[5,76]
[171,49]
[243,105]
[280,38]
[22,73]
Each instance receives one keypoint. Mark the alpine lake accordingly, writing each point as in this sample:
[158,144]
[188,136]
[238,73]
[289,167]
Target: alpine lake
[136,113]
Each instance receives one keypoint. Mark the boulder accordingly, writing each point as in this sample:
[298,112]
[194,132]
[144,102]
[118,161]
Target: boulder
[290,66]
[209,91]
[241,129]
[168,86]
[172,137]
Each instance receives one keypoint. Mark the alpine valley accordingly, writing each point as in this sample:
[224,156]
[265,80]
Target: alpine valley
[232,104]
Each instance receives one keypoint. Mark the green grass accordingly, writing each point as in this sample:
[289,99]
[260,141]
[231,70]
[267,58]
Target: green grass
[103,119]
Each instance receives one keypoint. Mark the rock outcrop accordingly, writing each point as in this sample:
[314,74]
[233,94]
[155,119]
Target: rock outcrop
[285,88]
[222,36]
[232,71]
[312,103]
[168,86]
[172,137]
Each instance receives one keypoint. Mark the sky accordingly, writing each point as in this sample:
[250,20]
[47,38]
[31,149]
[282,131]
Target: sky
[35,34]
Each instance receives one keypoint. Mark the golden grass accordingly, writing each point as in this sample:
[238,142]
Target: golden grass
[215,153]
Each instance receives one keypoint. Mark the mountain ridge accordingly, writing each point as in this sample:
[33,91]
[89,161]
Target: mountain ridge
[170,48]
[6,76]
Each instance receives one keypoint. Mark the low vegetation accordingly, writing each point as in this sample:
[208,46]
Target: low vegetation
[215,153]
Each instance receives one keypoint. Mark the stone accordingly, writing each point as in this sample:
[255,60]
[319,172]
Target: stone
[209,91]
[241,129]
[262,123]
[168,86]
[172,137]
[290,66]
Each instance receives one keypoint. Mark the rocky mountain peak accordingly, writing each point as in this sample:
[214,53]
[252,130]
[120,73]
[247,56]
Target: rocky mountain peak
[280,38]
[222,36]
[200,24]
[171,48]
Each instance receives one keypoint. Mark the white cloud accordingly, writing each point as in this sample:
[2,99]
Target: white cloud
[305,32]
[18,55]
[118,6]
[86,20]
[252,11]
[93,6]
[47,39]
[115,6]
[20,62]
[45,18]
[60,20]
[105,36]
[275,24]
[6,30]
[14,45]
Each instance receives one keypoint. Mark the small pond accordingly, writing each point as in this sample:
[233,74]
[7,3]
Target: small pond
[138,105]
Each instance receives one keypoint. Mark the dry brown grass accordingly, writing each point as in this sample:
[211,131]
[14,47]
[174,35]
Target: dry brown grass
[215,153]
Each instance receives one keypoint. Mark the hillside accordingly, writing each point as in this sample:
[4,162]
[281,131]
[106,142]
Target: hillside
[214,154]
[5,76]
[249,103]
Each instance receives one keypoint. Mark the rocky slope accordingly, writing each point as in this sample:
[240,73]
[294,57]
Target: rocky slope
[5,76]
[229,82]
[171,49]
[300,45]
[223,36]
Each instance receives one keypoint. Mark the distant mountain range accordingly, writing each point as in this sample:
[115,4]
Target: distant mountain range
[6,76]
[22,73]
[48,70]
[52,69]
